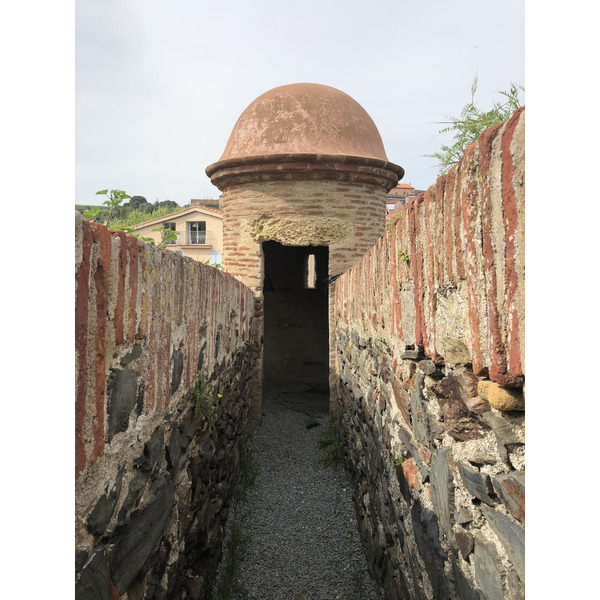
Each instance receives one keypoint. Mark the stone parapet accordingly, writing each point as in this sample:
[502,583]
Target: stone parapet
[155,461]
[429,343]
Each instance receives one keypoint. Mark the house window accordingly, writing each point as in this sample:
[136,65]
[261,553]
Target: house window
[196,232]
[214,258]
[172,227]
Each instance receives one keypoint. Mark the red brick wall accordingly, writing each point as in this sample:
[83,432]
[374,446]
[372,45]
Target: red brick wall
[358,211]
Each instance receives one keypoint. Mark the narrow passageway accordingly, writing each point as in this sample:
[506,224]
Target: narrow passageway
[304,541]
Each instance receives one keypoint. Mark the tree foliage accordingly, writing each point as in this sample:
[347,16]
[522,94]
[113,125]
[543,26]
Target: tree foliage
[116,197]
[137,201]
[471,122]
[125,214]
[138,215]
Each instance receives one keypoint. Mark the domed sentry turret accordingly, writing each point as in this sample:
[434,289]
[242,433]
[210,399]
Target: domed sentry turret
[304,178]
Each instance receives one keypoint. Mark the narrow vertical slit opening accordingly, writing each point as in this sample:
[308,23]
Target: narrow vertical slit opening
[310,272]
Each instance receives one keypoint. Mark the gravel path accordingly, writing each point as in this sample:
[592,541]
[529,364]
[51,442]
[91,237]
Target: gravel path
[304,541]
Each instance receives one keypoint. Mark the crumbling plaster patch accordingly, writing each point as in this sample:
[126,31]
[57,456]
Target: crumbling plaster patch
[299,230]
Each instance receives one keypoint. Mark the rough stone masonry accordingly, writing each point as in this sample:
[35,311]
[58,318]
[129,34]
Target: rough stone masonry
[154,462]
[430,373]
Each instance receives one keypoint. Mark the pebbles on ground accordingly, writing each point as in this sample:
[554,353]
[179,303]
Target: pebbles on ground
[304,541]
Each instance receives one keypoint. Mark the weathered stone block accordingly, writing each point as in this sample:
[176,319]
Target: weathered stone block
[411,472]
[505,436]
[459,421]
[464,542]
[478,484]
[469,381]
[104,508]
[94,581]
[488,569]
[176,370]
[511,535]
[136,540]
[501,398]
[441,488]
[510,488]
[455,351]
[408,441]
[462,516]
[122,393]
[153,451]
[401,398]
[418,410]
[135,352]
[427,366]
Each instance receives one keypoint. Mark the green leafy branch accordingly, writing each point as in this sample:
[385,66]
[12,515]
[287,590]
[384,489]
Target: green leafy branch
[168,236]
[115,197]
[215,265]
[471,122]
[204,400]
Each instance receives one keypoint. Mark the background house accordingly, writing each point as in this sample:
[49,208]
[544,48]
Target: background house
[398,196]
[200,229]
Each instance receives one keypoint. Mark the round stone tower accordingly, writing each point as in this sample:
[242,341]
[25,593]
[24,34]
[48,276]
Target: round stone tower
[304,178]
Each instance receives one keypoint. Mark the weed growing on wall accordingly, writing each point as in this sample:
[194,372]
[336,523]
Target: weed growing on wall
[331,445]
[214,265]
[115,197]
[204,398]
[471,122]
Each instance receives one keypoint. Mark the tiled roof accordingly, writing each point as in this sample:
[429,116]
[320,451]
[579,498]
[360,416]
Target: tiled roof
[179,213]
[400,188]
[203,207]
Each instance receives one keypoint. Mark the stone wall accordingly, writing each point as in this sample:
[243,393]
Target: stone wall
[430,376]
[154,467]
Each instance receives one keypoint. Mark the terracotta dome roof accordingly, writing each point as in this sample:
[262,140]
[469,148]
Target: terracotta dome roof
[304,118]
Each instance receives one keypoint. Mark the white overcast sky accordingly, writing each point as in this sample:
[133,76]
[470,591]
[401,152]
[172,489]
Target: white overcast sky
[160,85]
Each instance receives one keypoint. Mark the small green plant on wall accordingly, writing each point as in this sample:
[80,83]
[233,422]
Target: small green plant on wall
[398,460]
[204,400]
[214,265]
[167,236]
[403,256]
[331,444]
